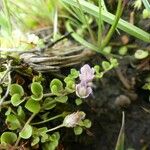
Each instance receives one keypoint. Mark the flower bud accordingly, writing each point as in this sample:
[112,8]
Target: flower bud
[73,119]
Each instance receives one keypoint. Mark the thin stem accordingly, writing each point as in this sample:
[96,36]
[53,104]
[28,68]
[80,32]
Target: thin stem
[28,121]
[50,119]
[100,25]
[48,94]
[114,25]
[9,82]
[5,74]
[89,29]
[55,128]
[5,103]
[124,81]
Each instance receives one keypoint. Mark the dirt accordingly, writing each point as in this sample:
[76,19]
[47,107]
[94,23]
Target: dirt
[106,115]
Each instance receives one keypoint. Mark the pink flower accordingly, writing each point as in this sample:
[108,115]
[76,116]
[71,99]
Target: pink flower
[83,90]
[86,74]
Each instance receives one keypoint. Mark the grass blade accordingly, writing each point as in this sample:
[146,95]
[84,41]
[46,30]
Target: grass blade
[120,141]
[146,4]
[109,18]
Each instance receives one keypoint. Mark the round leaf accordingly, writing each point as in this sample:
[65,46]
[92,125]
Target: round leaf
[12,122]
[8,138]
[37,97]
[87,123]
[33,106]
[123,50]
[36,88]
[106,65]
[140,54]
[107,49]
[26,132]
[78,130]
[16,99]
[56,86]
[16,89]
[74,73]
[78,101]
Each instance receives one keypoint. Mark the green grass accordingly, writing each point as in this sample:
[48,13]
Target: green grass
[109,18]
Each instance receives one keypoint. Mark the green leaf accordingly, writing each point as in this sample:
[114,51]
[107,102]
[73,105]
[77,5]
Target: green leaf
[56,87]
[107,49]
[8,112]
[12,122]
[55,136]
[33,106]
[61,99]
[16,89]
[26,132]
[16,99]
[74,73]
[35,141]
[78,130]
[54,141]
[114,62]
[67,79]
[21,113]
[97,68]
[70,86]
[87,123]
[37,97]
[36,88]
[44,138]
[109,18]
[78,101]
[123,50]
[50,145]
[106,65]
[49,103]
[141,54]
[146,86]
[42,130]
[8,138]
[146,14]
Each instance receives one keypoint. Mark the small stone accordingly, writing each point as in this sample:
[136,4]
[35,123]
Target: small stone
[122,101]
[141,54]
[125,39]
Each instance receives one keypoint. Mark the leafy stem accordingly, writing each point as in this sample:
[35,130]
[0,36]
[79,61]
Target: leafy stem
[85,20]
[28,121]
